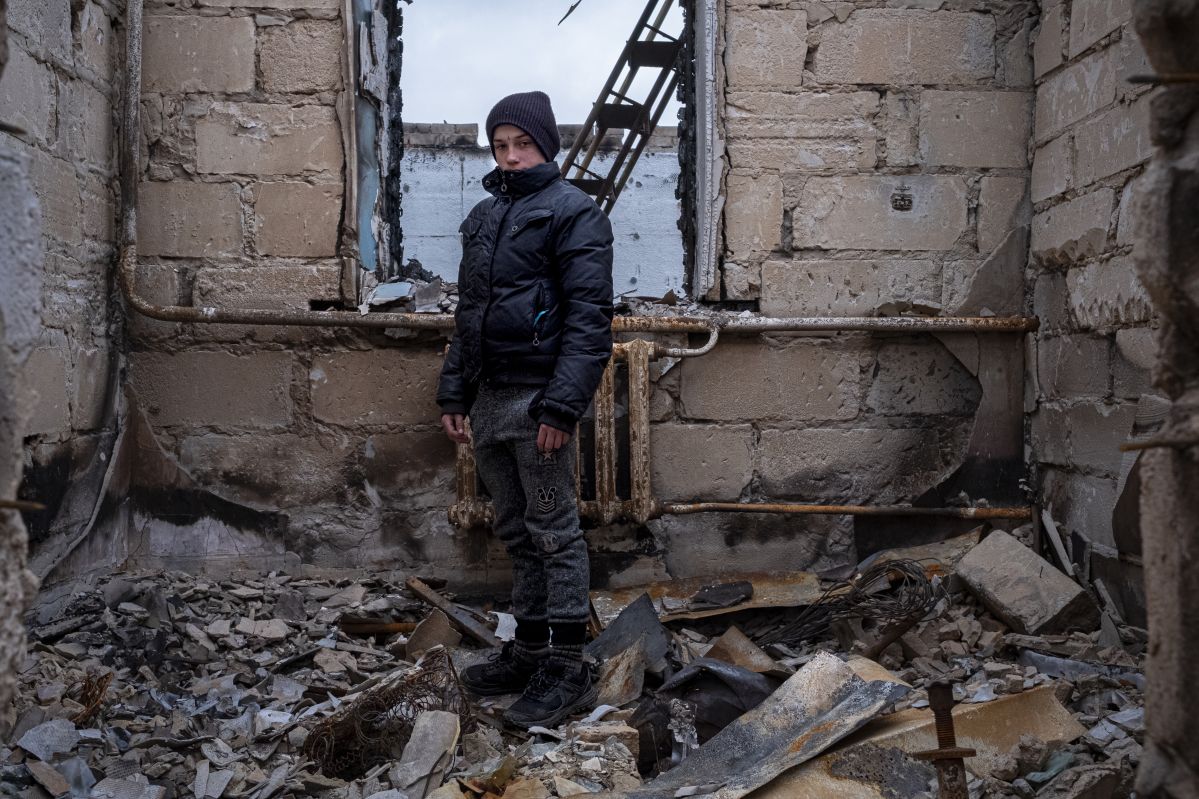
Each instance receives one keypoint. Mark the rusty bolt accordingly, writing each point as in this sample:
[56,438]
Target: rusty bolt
[940,699]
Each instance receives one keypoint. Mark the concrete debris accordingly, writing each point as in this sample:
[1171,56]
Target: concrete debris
[1025,590]
[428,755]
[155,686]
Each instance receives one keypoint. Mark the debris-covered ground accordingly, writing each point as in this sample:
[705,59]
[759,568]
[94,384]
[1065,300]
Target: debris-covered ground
[160,685]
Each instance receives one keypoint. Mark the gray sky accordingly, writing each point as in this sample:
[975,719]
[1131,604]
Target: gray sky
[460,56]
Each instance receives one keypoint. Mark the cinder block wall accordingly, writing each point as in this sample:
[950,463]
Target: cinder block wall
[876,163]
[1096,345]
[831,128]
[59,88]
[332,433]
[443,170]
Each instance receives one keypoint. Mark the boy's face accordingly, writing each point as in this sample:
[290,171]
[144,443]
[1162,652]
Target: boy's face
[514,149]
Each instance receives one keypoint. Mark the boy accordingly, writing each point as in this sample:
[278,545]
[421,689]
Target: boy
[532,338]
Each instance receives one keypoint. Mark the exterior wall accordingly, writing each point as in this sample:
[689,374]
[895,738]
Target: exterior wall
[59,89]
[1096,344]
[442,172]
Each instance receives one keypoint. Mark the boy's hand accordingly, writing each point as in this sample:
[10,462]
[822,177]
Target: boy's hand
[454,425]
[551,439]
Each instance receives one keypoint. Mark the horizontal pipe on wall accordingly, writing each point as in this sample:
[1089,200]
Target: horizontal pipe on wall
[678,508]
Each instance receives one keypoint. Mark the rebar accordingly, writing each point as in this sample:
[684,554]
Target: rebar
[948,757]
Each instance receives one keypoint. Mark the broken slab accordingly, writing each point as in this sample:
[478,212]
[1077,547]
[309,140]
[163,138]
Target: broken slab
[428,755]
[1025,590]
[874,762]
[622,677]
[50,738]
[818,706]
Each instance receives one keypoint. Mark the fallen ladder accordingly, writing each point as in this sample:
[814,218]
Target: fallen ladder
[649,47]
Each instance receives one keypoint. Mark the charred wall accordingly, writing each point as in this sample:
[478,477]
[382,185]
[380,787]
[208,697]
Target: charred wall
[59,340]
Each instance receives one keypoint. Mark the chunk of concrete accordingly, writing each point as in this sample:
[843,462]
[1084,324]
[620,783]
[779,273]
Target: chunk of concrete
[1025,590]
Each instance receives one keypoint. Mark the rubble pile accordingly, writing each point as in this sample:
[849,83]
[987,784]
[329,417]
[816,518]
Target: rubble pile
[163,685]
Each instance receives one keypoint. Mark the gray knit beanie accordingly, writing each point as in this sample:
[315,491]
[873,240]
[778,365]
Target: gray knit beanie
[532,113]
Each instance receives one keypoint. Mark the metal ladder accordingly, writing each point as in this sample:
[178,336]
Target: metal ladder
[649,47]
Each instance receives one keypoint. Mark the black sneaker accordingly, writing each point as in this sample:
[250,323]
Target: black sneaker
[555,691]
[502,673]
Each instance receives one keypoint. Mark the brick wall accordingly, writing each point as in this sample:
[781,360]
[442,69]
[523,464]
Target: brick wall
[241,205]
[1096,343]
[59,89]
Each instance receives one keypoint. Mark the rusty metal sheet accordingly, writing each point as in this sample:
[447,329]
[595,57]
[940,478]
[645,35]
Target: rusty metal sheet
[774,590]
[819,705]
[874,763]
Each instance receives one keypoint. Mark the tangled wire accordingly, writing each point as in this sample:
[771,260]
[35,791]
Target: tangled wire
[375,727]
[887,592]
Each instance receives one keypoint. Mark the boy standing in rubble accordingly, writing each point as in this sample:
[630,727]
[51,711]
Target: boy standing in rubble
[532,338]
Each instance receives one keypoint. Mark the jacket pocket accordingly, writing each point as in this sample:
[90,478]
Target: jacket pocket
[537,218]
[468,229]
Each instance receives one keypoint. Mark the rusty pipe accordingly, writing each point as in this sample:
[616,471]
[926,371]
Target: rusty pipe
[21,505]
[663,351]
[682,508]
[881,324]
[641,503]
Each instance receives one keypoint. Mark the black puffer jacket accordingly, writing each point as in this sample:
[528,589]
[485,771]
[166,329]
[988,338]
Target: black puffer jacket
[534,296]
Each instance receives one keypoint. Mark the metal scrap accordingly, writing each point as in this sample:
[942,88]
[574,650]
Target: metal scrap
[818,706]
[92,696]
[948,757]
[775,590]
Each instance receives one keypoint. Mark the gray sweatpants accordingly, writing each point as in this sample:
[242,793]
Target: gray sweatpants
[536,512]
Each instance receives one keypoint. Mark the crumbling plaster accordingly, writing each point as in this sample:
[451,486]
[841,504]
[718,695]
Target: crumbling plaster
[1167,264]
[20,260]
[56,222]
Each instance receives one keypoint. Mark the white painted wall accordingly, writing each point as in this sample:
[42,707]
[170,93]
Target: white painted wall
[441,185]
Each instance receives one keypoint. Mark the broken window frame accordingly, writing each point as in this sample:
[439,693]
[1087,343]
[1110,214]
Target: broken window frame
[372,233]
[710,164]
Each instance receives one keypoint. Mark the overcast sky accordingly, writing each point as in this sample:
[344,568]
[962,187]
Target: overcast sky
[460,56]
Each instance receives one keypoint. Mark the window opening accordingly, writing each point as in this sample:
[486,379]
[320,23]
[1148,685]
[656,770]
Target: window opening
[459,57]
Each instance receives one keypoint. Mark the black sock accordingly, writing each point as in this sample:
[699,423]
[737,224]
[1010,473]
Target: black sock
[567,642]
[532,642]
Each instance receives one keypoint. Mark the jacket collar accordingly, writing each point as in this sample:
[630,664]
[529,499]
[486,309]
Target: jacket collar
[522,183]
